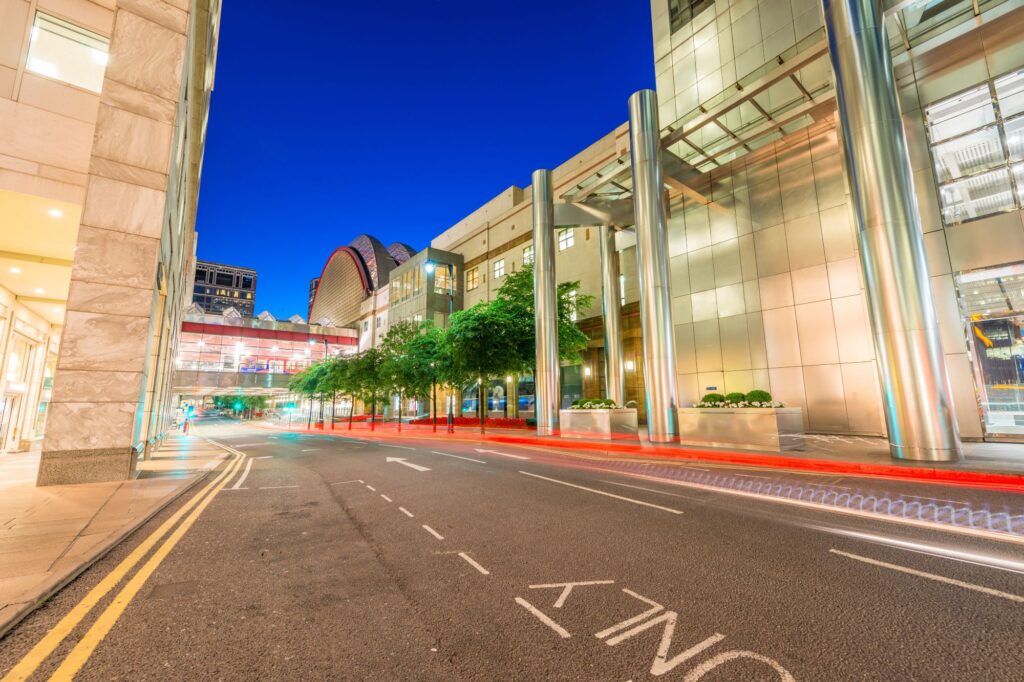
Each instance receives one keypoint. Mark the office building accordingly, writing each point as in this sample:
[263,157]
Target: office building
[778,263]
[218,287]
[103,112]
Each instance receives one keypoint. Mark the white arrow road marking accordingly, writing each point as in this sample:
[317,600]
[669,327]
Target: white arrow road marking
[542,617]
[400,460]
[503,454]
[567,588]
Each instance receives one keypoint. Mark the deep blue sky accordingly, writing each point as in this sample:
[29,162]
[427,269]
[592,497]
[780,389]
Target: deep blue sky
[397,118]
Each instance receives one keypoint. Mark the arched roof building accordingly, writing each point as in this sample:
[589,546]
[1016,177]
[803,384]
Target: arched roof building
[351,275]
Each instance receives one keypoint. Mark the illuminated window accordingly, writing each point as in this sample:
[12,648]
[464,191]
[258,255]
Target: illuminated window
[472,278]
[442,283]
[622,290]
[977,147]
[566,239]
[528,254]
[499,268]
[67,53]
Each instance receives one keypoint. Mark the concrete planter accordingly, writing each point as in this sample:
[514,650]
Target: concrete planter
[748,428]
[617,424]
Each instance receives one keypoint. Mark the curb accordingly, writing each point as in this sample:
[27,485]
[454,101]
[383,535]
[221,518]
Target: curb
[63,580]
[1006,482]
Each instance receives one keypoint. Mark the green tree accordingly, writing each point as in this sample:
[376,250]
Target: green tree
[482,343]
[365,380]
[515,301]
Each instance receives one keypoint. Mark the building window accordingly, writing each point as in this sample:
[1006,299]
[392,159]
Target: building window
[528,254]
[366,325]
[67,53]
[380,320]
[622,290]
[442,282]
[977,146]
[566,239]
[472,278]
[246,282]
[682,12]
[499,268]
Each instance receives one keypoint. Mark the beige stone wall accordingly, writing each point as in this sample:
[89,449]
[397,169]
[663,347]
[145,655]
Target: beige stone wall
[135,252]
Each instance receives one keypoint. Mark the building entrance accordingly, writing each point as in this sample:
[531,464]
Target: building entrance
[993,307]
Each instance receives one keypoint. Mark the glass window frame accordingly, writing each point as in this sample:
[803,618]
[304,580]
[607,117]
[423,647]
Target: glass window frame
[63,29]
[498,268]
[1012,167]
[528,252]
[472,278]
[566,238]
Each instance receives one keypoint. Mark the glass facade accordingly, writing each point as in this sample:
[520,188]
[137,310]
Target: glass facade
[977,147]
[257,347]
[219,287]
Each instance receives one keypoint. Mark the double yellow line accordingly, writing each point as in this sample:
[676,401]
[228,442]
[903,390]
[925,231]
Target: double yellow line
[92,638]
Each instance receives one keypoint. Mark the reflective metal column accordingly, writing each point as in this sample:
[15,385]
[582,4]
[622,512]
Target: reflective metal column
[652,266]
[915,386]
[611,308]
[545,303]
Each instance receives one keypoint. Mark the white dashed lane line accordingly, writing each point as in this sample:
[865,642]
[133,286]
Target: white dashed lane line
[406,512]
[371,487]
[468,459]
[386,498]
[433,532]
[602,492]
[931,576]
[474,564]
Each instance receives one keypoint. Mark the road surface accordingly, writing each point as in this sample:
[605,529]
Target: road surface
[318,557]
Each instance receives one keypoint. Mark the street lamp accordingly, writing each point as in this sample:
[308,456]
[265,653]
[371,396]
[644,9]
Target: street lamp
[429,267]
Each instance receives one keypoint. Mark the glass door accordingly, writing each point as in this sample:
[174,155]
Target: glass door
[993,307]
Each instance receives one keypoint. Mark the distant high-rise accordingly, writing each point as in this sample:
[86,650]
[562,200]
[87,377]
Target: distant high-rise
[313,284]
[219,287]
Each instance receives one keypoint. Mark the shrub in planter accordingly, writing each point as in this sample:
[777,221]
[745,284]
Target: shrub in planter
[758,396]
[754,398]
[593,404]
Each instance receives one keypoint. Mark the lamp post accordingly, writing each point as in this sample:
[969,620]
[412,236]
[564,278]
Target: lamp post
[430,266]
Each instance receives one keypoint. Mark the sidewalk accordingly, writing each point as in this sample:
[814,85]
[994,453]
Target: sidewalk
[48,536]
[985,465]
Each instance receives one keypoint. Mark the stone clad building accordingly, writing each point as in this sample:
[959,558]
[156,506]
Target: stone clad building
[103,109]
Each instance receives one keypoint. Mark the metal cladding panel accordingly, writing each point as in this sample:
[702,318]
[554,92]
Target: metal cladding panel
[735,343]
[826,402]
[864,399]
[726,256]
[817,333]
[343,287]
[810,284]
[378,261]
[770,251]
[401,252]
[708,346]
[854,338]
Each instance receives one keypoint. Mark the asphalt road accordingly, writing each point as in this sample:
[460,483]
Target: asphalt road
[323,558]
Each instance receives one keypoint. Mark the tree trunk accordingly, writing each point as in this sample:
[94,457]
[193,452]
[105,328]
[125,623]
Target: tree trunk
[433,388]
[373,410]
[399,410]
[334,404]
[309,422]
[481,403]
[351,410]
